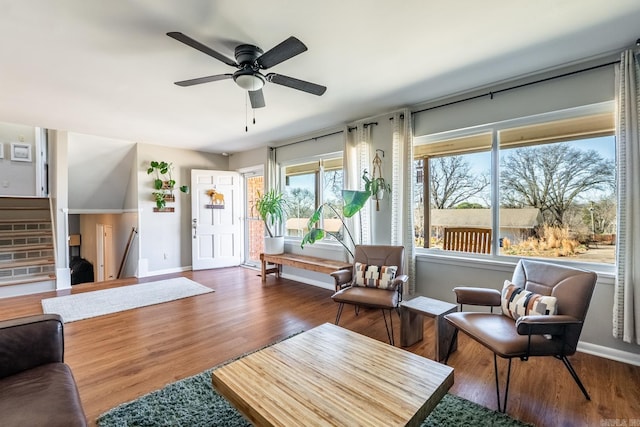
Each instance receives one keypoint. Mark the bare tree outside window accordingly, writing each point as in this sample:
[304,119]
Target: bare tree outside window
[553,178]
[453,182]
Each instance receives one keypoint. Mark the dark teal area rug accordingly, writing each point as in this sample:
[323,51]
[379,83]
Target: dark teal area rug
[193,402]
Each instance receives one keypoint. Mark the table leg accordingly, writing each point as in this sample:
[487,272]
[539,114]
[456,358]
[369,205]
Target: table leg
[444,334]
[411,327]
[264,269]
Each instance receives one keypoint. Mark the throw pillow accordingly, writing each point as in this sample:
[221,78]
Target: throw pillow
[518,302]
[373,276]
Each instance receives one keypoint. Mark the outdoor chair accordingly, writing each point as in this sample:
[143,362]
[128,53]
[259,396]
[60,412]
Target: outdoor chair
[543,310]
[476,240]
[376,281]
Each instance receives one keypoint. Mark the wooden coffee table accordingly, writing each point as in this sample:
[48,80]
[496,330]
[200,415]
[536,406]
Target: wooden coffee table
[332,376]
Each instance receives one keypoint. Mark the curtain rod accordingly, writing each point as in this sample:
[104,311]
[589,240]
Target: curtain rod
[315,138]
[491,93]
[365,125]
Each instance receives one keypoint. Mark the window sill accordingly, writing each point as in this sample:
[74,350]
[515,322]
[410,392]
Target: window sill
[326,244]
[606,273]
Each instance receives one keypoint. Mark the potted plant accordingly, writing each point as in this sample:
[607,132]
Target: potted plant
[353,202]
[271,210]
[376,186]
[163,183]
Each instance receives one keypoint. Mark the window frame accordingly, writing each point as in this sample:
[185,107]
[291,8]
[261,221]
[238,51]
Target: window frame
[319,187]
[495,128]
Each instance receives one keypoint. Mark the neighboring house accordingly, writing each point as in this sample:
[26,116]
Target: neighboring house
[515,224]
[297,227]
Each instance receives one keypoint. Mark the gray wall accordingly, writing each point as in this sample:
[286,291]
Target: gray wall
[436,276]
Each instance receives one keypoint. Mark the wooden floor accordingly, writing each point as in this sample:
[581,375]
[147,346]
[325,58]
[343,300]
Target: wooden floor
[118,357]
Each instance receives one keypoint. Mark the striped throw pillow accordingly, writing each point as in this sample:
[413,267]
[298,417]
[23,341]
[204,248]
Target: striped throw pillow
[518,302]
[374,276]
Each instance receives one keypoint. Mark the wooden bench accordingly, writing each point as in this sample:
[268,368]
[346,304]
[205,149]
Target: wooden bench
[304,262]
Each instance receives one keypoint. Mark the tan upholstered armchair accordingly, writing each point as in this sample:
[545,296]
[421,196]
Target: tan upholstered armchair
[375,281]
[543,310]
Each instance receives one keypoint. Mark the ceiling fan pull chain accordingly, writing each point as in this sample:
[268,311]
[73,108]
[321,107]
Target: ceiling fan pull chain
[246,112]
[254,116]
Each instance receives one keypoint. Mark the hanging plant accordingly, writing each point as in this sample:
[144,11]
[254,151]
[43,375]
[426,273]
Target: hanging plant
[376,186]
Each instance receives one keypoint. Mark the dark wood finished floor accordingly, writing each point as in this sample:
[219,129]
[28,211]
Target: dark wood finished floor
[118,357]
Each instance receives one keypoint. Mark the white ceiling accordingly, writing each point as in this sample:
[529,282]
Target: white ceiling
[106,68]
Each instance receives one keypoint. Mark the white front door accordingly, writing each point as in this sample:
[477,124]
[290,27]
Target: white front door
[216,226]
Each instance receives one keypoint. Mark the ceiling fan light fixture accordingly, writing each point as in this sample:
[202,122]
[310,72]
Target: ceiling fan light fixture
[250,82]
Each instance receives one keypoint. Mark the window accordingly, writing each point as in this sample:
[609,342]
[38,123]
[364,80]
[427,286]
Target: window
[552,177]
[307,186]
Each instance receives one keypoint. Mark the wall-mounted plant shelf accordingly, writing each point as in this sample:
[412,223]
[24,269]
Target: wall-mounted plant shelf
[164,209]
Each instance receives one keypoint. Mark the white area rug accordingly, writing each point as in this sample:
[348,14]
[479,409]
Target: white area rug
[107,301]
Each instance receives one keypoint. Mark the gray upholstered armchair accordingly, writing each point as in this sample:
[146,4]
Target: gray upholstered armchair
[376,281]
[543,310]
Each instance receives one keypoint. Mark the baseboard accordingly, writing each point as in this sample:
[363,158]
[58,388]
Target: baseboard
[307,281]
[609,353]
[167,271]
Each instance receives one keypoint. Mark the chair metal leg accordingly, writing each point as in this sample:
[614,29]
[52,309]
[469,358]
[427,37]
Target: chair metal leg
[502,408]
[340,307]
[386,325]
[574,375]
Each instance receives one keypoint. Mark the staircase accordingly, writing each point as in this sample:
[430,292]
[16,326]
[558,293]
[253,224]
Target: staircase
[26,241]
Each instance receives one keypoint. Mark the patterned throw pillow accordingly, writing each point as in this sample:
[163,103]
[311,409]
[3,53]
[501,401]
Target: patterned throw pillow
[373,276]
[518,302]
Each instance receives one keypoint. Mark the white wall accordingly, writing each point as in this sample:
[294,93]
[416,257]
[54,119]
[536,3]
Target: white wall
[17,178]
[165,238]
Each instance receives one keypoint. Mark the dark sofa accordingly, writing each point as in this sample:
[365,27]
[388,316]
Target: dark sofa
[36,387]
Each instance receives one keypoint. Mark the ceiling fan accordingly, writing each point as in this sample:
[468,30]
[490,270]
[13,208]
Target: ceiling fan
[249,60]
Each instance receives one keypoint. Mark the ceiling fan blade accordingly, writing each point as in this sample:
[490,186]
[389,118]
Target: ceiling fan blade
[285,50]
[257,98]
[302,85]
[202,48]
[207,79]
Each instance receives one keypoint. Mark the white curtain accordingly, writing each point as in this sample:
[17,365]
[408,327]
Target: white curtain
[356,159]
[271,178]
[402,176]
[626,305]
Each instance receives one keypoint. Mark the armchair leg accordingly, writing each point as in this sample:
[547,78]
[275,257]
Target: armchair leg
[574,375]
[386,325]
[340,307]
[502,408]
